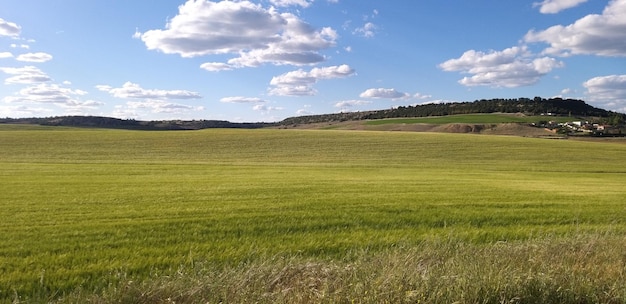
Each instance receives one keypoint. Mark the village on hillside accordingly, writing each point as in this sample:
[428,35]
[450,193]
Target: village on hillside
[610,127]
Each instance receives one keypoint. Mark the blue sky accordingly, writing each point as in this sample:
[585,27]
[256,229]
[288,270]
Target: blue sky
[271,59]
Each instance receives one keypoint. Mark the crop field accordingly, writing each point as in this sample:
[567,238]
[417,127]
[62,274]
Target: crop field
[470,119]
[91,215]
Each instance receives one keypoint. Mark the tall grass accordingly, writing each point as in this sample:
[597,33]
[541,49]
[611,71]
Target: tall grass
[114,215]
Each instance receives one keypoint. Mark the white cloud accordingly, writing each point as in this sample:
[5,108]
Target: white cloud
[256,34]
[609,91]
[382,93]
[555,6]
[303,3]
[159,106]
[305,111]
[25,75]
[216,66]
[5,55]
[266,109]
[48,93]
[21,46]
[601,35]
[368,30]
[512,67]
[133,90]
[240,99]
[300,83]
[421,96]
[34,57]
[351,103]
[24,111]
[9,28]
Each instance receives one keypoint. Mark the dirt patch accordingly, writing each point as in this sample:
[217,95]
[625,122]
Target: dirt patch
[460,128]
[514,129]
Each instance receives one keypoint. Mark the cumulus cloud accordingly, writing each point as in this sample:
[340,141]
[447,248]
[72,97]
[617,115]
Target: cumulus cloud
[609,90]
[300,82]
[34,57]
[256,34]
[48,93]
[601,35]
[9,28]
[512,67]
[25,75]
[382,93]
[135,91]
[241,99]
[351,103]
[555,6]
[6,55]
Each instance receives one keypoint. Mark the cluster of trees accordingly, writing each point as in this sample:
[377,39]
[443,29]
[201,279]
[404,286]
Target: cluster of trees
[116,123]
[535,106]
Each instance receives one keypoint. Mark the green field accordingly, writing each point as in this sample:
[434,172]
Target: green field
[204,216]
[470,119]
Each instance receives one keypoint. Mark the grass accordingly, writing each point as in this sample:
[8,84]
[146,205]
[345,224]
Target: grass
[198,216]
[469,119]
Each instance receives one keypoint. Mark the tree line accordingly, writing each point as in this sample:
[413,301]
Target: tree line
[535,106]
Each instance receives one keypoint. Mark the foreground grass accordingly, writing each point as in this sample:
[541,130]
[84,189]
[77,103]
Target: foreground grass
[146,216]
[577,270]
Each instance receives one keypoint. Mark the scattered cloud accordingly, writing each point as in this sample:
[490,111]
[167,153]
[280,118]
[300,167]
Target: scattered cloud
[25,75]
[351,103]
[34,57]
[303,3]
[305,110]
[368,30]
[555,6]
[20,46]
[216,66]
[160,106]
[9,28]
[135,91]
[256,34]
[609,91]
[512,67]
[266,109]
[300,82]
[6,55]
[421,96]
[382,93]
[601,35]
[24,111]
[240,99]
[50,94]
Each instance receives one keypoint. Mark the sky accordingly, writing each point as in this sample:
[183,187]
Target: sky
[266,60]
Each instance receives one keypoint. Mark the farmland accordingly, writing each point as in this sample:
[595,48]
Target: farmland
[87,212]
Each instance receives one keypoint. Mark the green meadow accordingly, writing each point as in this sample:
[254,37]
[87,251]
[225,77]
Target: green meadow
[300,216]
[469,119]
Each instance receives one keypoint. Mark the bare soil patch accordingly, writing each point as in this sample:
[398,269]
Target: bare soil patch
[514,129]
